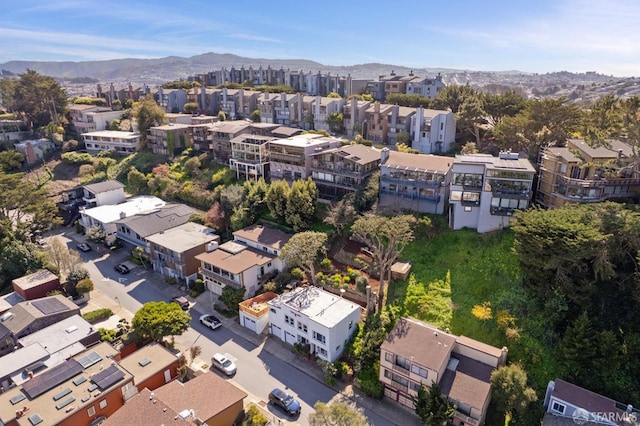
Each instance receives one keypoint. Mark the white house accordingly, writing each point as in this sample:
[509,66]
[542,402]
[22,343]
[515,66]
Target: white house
[106,216]
[432,130]
[263,238]
[103,193]
[254,312]
[121,142]
[314,317]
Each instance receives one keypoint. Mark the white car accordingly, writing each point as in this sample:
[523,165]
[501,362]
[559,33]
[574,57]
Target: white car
[224,364]
[210,321]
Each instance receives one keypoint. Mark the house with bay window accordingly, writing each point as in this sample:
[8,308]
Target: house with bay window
[313,317]
[486,191]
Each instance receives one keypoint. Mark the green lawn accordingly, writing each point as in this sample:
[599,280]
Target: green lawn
[483,268]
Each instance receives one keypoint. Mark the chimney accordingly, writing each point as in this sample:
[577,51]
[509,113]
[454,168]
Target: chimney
[213,245]
[384,155]
[123,215]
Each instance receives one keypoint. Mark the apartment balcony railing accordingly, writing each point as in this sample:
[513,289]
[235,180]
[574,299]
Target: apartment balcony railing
[412,195]
[598,183]
[287,158]
[411,182]
[512,193]
[402,388]
[503,211]
[220,278]
[466,419]
[470,203]
[349,187]
[336,170]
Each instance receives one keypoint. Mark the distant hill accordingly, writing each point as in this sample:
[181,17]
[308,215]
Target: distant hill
[580,87]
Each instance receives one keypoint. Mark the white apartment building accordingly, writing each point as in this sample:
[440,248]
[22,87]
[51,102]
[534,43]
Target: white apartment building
[121,142]
[314,317]
[432,130]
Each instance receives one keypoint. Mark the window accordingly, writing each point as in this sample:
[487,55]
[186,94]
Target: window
[91,411]
[322,351]
[415,386]
[557,407]
[319,337]
[416,369]
[388,357]
[350,324]
[289,320]
[302,327]
[403,362]
[103,404]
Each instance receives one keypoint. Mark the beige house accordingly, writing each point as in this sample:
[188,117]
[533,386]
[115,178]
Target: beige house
[416,353]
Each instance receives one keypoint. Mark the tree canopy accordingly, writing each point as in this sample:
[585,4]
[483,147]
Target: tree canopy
[336,413]
[156,320]
[433,408]
[510,392]
[148,114]
[303,250]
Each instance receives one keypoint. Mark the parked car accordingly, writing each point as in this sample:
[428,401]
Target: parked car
[122,268]
[285,401]
[182,301]
[210,321]
[83,247]
[223,364]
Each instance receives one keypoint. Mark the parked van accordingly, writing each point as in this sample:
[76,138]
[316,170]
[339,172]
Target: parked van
[224,364]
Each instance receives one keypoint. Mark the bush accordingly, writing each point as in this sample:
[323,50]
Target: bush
[198,285]
[97,315]
[255,417]
[77,158]
[170,280]
[369,383]
[361,283]
[297,273]
[354,274]
[326,263]
[194,293]
[107,335]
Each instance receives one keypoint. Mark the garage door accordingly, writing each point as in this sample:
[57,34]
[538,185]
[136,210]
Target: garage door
[276,331]
[289,338]
[250,324]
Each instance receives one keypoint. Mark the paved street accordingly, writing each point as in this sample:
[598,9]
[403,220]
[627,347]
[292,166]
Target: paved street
[263,362]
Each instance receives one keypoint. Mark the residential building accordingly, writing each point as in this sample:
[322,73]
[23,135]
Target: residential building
[34,150]
[353,116]
[101,120]
[580,173]
[173,251]
[103,193]
[36,285]
[228,102]
[290,159]
[284,106]
[486,191]
[171,100]
[178,118]
[246,262]
[83,390]
[250,156]
[123,143]
[254,312]
[303,111]
[151,366]
[107,216]
[122,93]
[376,90]
[399,124]
[30,316]
[80,121]
[340,171]
[425,87]
[221,134]
[205,399]
[396,84]
[564,400]
[315,318]
[414,182]
[169,139]
[376,125]
[323,107]
[266,106]
[416,354]
[135,229]
[432,130]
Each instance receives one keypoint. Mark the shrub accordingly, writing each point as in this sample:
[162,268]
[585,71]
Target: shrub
[198,285]
[329,370]
[77,158]
[255,417]
[297,273]
[107,335]
[194,293]
[354,274]
[369,383]
[361,284]
[97,315]
[170,280]
[270,286]
[346,279]
[325,263]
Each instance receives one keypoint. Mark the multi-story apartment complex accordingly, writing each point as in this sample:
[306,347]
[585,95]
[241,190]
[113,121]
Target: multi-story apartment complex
[250,156]
[414,182]
[432,130]
[580,173]
[353,116]
[122,93]
[323,107]
[339,171]
[168,138]
[81,120]
[123,143]
[290,159]
[375,126]
[417,354]
[314,317]
[486,191]
[171,100]
[399,123]
[425,87]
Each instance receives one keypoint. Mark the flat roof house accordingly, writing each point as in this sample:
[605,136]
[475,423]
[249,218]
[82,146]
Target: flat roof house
[36,285]
[314,317]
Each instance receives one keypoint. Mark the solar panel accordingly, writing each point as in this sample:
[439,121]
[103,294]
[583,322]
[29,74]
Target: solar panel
[108,377]
[90,359]
[49,306]
[64,403]
[19,397]
[80,380]
[51,378]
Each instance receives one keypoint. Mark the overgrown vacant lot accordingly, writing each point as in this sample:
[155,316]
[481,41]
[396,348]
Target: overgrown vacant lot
[482,268]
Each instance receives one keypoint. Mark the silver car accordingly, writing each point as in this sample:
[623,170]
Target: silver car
[224,364]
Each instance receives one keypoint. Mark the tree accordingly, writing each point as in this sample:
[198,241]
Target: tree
[96,234]
[148,114]
[77,275]
[255,116]
[577,351]
[303,250]
[367,195]
[433,408]
[222,116]
[452,97]
[231,297]
[335,121]
[254,202]
[11,161]
[137,181]
[510,393]
[157,320]
[386,238]
[84,286]
[276,198]
[194,352]
[301,204]
[336,414]
[412,101]
[216,218]
[341,214]
[483,312]
[18,259]
[232,196]
[498,106]
[37,99]
[63,259]
[192,167]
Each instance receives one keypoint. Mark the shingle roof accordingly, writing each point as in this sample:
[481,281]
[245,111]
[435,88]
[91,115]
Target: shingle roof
[105,186]
[161,219]
[144,410]
[469,383]
[583,398]
[404,160]
[264,235]
[235,258]
[25,313]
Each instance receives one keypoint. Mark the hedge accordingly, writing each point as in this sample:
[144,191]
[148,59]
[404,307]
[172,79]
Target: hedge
[97,315]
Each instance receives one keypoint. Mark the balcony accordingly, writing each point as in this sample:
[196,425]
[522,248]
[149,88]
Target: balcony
[398,386]
[336,169]
[511,193]
[411,182]
[220,279]
[412,195]
[503,211]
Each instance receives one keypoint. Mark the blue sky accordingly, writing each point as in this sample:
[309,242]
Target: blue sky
[493,35]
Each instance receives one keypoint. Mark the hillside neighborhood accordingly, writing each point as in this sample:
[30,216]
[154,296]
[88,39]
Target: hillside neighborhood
[387,251]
